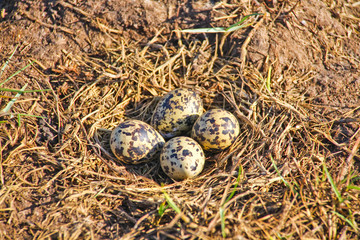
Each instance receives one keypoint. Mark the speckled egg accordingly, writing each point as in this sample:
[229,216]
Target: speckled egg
[181,158]
[176,112]
[134,142]
[216,130]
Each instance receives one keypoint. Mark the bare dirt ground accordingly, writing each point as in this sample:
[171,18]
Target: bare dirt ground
[292,77]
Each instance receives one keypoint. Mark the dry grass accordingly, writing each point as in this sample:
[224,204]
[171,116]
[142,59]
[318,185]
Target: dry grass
[60,180]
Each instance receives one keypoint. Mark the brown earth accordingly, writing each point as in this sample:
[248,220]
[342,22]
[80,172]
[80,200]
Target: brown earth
[292,77]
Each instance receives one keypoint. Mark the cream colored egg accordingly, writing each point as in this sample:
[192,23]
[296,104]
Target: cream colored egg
[176,112]
[134,141]
[216,130]
[181,158]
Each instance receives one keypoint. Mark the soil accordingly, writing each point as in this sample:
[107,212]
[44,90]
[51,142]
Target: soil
[84,51]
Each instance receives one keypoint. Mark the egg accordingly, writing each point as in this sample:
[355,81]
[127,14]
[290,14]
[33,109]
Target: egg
[182,157]
[216,130]
[134,141]
[176,112]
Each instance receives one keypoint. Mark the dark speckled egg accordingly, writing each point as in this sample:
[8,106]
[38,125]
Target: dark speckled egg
[176,112]
[134,142]
[216,130]
[181,158]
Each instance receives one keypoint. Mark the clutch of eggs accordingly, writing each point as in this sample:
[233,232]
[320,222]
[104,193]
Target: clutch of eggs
[134,141]
[176,112]
[216,130]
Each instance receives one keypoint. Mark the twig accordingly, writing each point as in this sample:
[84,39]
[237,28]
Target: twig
[247,41]
[52,26]
[349,161]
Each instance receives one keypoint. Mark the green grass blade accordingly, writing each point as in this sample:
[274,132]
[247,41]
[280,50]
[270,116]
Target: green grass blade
[204,30]
[171,202]
[19,115]
[278,172]
[232,28]
[19,120]
[7,63]
[222,209]
[333,185]
[236,184]
[355,178]
[22,91]
[346,220]
[268,80]
[162,208]
[222,218]
[99,192]
[281,177]
[29,115]
[241,21]
[353,187]
[12,101]
[352,176]
[16,73]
